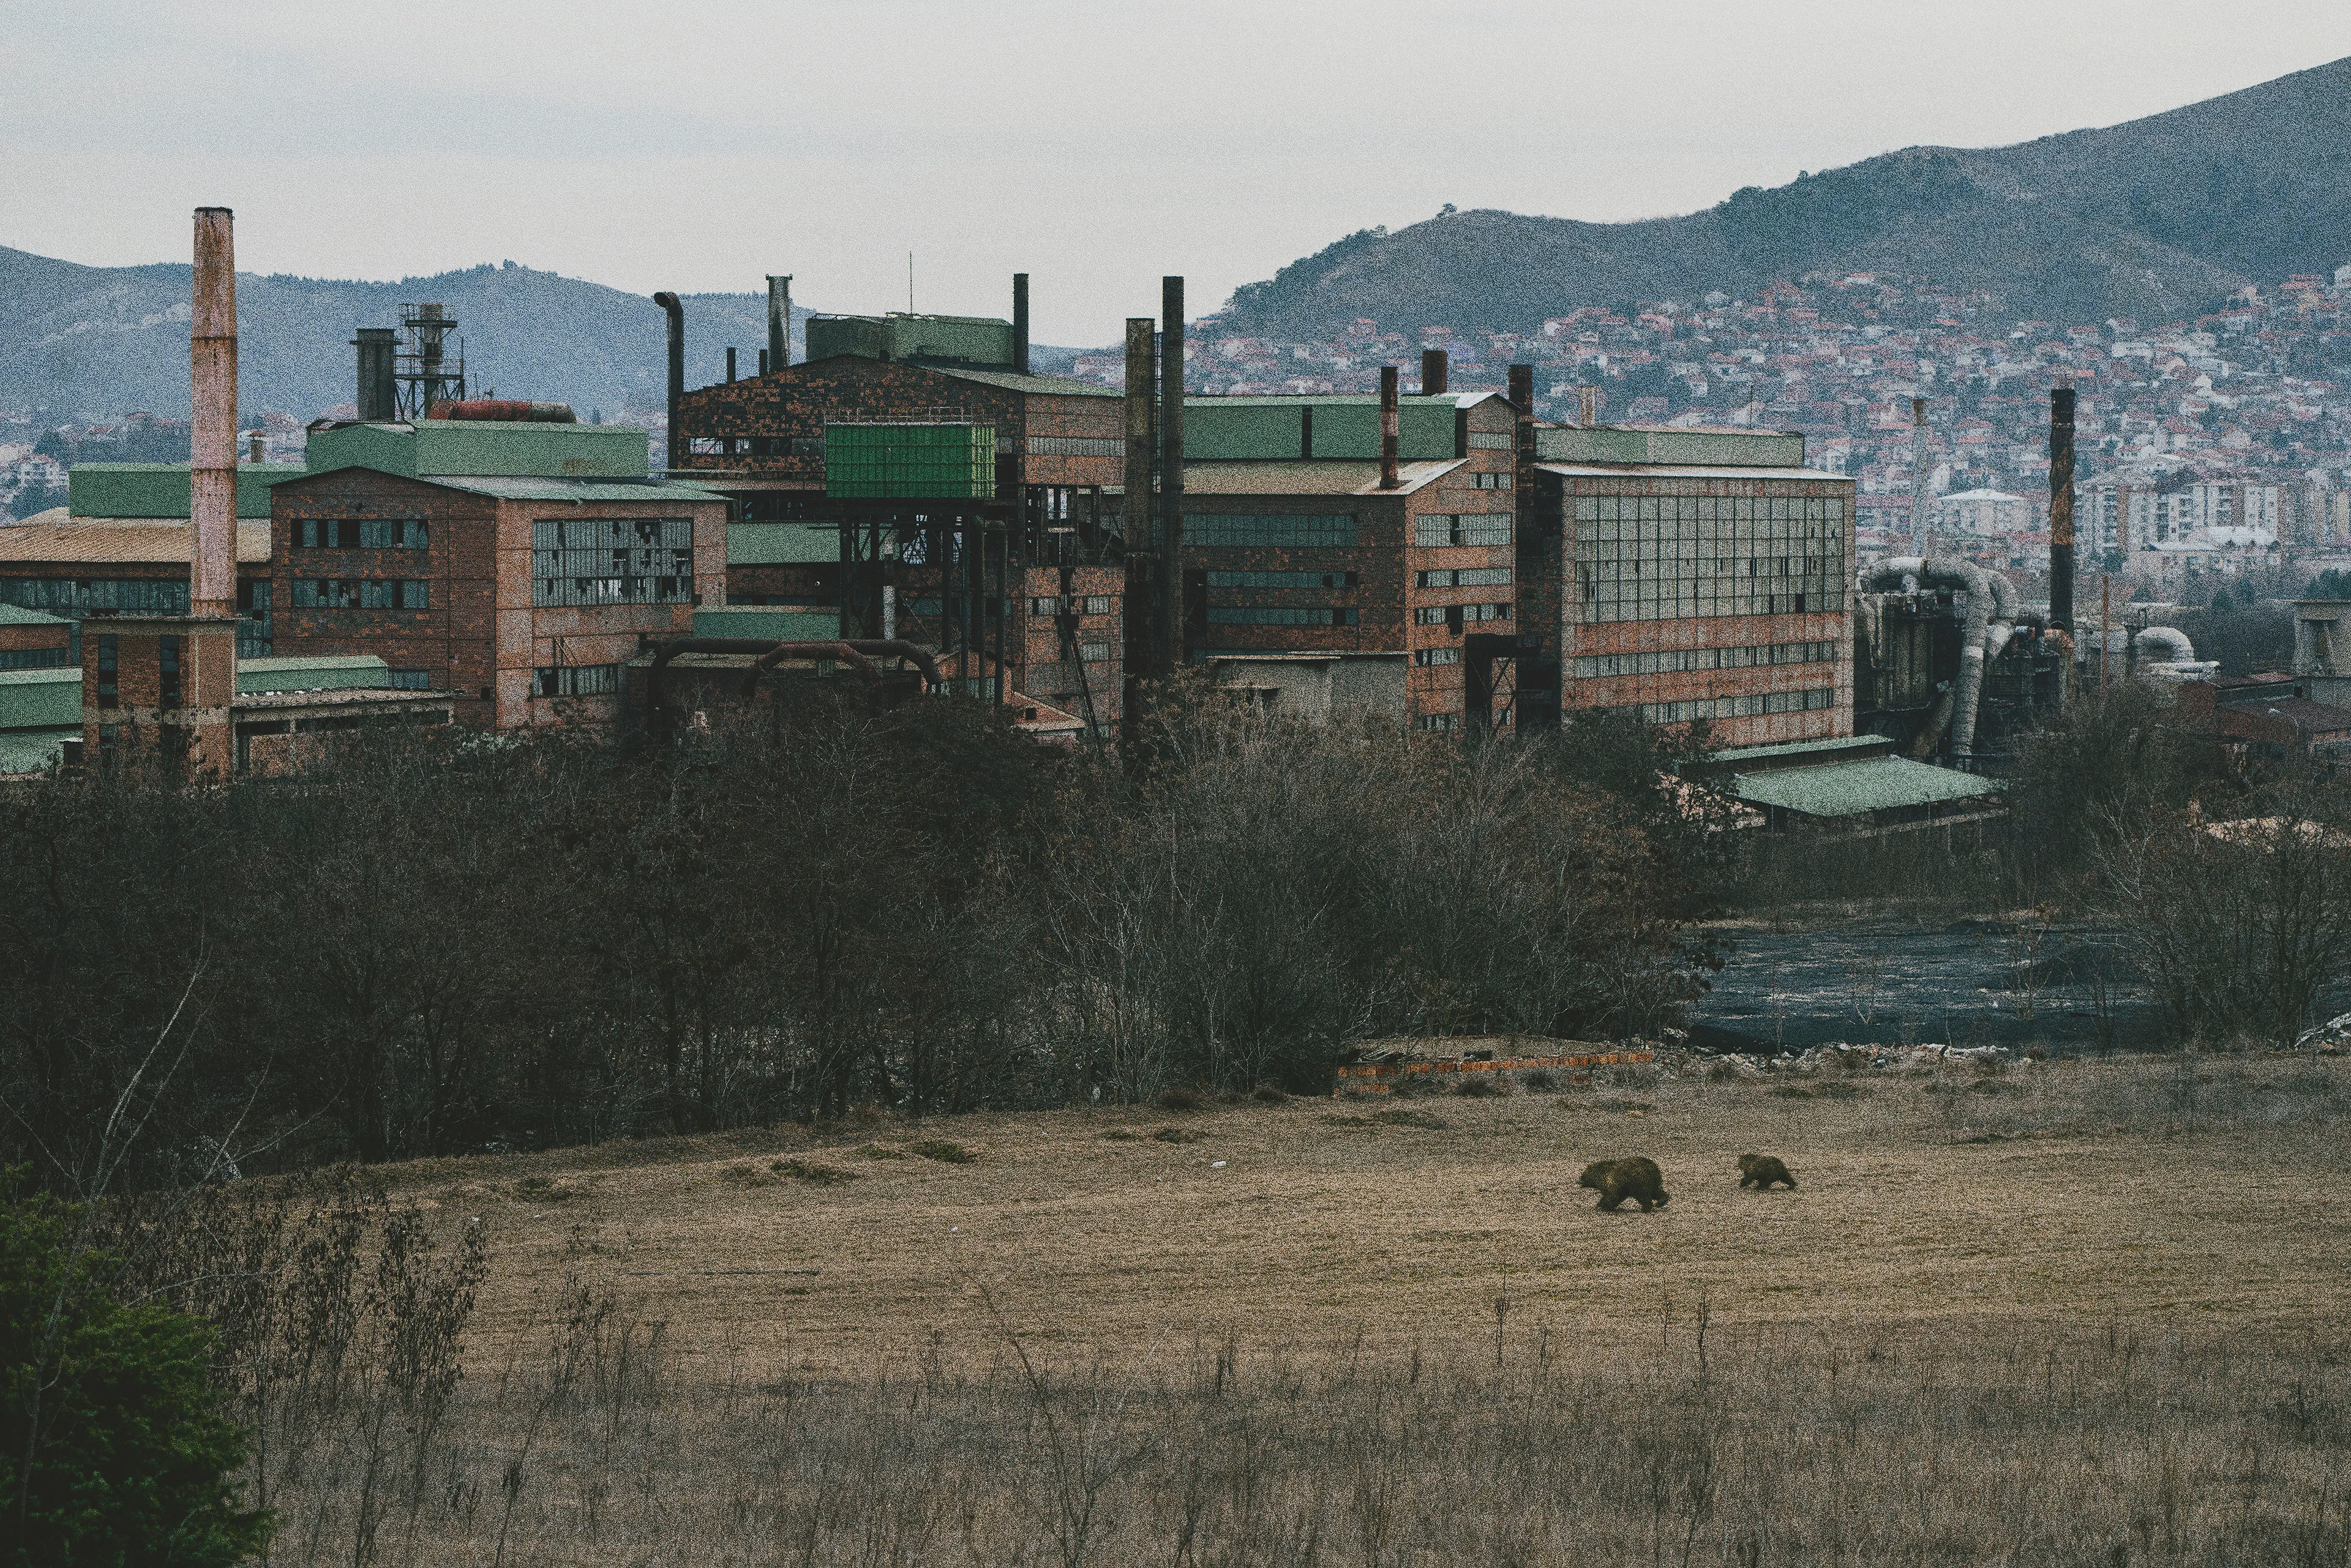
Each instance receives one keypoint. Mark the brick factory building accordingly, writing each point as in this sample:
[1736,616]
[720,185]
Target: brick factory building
[518,565]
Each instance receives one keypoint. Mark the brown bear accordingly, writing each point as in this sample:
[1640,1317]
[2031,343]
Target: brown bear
[1760,1171]
[1616,1180]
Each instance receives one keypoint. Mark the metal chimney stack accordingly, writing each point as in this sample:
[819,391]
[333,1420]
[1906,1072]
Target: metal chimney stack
[2060,508]
[1919,529]
[378,394]
[1389,478]
[1021,322]
[212,448]
[1432,367]
[1142,642]
[780,322]
[1171,473]
[676,441]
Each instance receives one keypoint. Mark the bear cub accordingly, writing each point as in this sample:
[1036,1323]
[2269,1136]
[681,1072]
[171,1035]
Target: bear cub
[1760,1171]
[1616,1180]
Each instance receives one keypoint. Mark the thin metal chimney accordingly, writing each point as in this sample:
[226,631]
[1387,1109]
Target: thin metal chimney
[2060,508]
[379,395]
[1919,532]
[256,448]
[676,440]
[1433,365]
[730,364]
[763,362]
[780,322]
[211,447]
[1021,322]
[1389,480]
[1171,473]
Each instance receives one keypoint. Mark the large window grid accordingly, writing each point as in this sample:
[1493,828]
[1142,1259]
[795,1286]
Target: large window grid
[1224,616]
[1280,579]
[1464,577]
[1443,614]
[1755,705]
[575,681]
[362,593]
[1436,531]
[361,533]
[1290,531]
[1673,661]
[576,562]
[1658,558]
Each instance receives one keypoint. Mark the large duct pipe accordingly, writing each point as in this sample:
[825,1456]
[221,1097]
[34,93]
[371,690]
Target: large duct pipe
[1021,322]
[1991,615]
[780,322]
[504,410]
[1389,476]
[2181,651]
[1919,543]
[1171,474]
[2060,508]
[211,445]
[676,441]
[378,400]
[1432,367]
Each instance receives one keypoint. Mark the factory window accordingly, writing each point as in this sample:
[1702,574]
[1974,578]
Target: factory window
[1077,446]
[35,658]
[1444,614]
[110,670]
[1437,656]
[1753,705]
[611,560]
[1673,661]
[1439,722]
[1487,481]
[1045,606]
[1293,530]
[167,668]
[74,597]
[575,681]
[1099,604]
[1656,557]
[359,533]
[326,593]
[412,679]
[1438,529]
[394,593]
[1490,441]
[1282,579]
[1230,617]
[1464,577]
[1096,652]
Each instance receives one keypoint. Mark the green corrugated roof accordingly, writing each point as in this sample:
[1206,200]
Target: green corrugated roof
[39,699]
[1827,744]
[1011,380]
[782,544]
[33,750]
[1849,789]
[17,615]
[345,672]
[160,490]
[435,448]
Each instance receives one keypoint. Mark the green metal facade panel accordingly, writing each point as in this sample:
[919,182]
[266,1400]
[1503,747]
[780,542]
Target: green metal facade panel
[782,544]
[1352,431]
[1242,429]
[1849,789]
[349,672]
[33,750]
[767,620]
[37,699]
[1695,448]
[160,490]
[911,460]
[435,447]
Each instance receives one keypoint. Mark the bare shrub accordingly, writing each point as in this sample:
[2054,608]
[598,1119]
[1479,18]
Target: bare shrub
[1177,1098]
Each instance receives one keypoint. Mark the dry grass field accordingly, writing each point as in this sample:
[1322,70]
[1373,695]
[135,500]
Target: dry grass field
[2076,1311]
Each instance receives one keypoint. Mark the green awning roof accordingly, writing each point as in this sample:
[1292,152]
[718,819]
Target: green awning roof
[1850,789]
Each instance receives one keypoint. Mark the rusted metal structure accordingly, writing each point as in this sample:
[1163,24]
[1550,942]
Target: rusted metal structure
[1021,322]
[378,394]
[780,323]
[423,371]
[1390,438]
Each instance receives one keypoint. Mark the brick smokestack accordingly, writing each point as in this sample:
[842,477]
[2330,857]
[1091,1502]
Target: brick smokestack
[2060,508]
[1140,365]
[1171,474]
[1433,365]
[1021,322]
[1522,399]
[212,448]
[1389,480]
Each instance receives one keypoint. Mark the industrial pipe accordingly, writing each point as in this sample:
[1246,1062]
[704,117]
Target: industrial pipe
[2061,507]
[896,648]
[1169,625]
[676,441]
[841,652]
[504,410]
[1991,615]
[1433,366]
[780,322]
[1919,529]
[767,647]
[1021,322]
[2182,650]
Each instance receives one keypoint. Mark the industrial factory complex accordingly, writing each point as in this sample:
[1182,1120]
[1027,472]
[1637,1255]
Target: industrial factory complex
[911,507]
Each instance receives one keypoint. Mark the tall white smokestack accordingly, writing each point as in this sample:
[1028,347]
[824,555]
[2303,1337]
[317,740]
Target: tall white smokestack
[212,376]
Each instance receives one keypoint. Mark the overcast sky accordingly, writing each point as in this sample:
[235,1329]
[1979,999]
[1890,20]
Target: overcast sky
[697,146]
